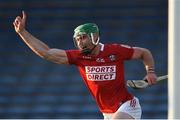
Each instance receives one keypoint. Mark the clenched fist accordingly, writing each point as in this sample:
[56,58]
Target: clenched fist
[19,23]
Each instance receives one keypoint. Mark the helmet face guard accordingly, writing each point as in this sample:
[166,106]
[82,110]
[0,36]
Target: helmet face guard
[89,29]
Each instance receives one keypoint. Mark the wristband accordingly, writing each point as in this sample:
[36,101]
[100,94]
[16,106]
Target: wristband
[150,69]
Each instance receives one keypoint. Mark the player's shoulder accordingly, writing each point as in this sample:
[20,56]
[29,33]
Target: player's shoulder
[117,45]
[73,52]
[112,45]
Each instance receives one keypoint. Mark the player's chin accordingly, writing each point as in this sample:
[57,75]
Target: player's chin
[82,47]
[79,47]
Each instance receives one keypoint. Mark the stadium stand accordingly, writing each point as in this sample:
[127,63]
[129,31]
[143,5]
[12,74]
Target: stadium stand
[31,87]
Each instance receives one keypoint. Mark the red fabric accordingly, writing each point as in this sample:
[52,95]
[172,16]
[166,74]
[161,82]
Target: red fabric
[103,75]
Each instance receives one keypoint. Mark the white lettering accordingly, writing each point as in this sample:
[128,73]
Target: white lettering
[100,73]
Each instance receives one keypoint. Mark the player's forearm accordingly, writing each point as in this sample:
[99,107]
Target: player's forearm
[36,45]
[148,61]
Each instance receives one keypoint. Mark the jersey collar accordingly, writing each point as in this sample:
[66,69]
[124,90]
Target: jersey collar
[102,46]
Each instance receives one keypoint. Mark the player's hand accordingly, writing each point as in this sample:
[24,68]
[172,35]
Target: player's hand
[19,23]
[151,78]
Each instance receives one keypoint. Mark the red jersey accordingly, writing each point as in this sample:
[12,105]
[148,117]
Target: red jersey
[103,74]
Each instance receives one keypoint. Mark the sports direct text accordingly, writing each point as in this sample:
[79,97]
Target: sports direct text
[100,73]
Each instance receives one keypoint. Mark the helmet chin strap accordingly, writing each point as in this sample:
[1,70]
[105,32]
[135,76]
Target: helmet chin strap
[93,40]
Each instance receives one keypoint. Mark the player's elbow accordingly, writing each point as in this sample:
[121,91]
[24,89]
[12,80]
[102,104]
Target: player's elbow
[46,56]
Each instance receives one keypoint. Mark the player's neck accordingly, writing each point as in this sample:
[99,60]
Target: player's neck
[96,50]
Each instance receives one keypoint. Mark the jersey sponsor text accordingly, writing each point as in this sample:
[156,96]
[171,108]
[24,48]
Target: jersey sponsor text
[100,73]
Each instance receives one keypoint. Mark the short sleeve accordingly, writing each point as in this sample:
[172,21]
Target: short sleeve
[125,51]
[72,56]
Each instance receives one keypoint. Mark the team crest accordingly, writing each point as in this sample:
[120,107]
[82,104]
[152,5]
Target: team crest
[112,57]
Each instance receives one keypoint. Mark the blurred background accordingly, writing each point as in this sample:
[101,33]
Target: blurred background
[31,87]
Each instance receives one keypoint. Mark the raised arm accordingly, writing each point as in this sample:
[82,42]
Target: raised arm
[147,58]
[41,49]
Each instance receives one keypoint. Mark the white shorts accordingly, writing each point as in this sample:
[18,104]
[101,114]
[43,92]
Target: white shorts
[131,107]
